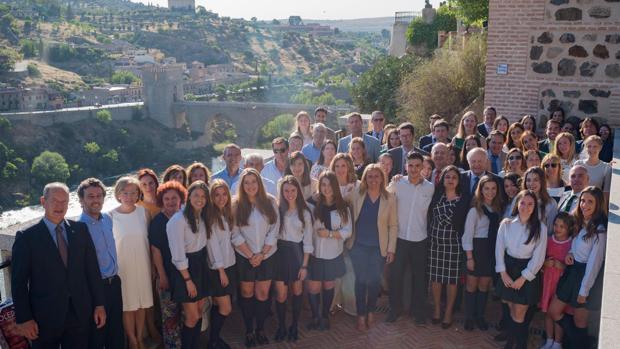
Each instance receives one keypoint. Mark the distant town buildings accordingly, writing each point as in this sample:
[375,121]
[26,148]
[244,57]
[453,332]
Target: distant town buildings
[110,94]
[203,79]
[182,5]
[29,99]
[296,24]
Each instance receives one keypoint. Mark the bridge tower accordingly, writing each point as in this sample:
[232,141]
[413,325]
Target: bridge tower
[163,85]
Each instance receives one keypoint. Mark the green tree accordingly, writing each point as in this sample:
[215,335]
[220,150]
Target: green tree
[92,148]
[280,126]
[28,48]
[8,57]
[124,77]
[377,88]
[33,70]
[49,167]
[104,116]
[471,11]
[419,33]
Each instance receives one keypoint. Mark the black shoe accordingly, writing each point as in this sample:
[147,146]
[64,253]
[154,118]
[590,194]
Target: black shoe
[280,334]
[482,324]
[292,334]
[446,325]
[324,324]
[469,325]
[250,340]
[221,344]
[501,337]
[313,324]
[435,321]
[420,322]
[392,316]
[261,339]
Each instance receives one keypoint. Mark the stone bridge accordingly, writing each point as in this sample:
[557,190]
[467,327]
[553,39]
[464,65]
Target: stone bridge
[163,93]
[248,117]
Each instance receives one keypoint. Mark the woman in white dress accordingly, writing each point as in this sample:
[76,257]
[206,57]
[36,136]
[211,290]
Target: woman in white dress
[134,267]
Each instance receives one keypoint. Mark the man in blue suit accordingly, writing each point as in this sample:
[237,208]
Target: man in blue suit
[429,138]
[55,278]
[373,146]
[486,127]
[406,132]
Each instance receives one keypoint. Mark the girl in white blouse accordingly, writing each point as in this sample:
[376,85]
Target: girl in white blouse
[299,168]
[188,232]
[534,180]
[478,242]
[520,253]
[294,249]
[255,237]
[580,285]
[332,225]
[222,272]
[343,167]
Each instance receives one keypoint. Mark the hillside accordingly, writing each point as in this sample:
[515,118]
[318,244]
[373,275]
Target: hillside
[368,25]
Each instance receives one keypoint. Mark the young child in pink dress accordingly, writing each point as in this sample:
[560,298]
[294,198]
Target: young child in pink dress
[558,246]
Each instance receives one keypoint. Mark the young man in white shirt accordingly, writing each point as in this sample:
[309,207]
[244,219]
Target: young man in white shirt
[413,194]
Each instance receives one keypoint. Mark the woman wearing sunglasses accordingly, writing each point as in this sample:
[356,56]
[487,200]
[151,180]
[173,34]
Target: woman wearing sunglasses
[514,163]
[553,174]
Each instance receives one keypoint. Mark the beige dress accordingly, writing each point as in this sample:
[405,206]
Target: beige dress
[134,267]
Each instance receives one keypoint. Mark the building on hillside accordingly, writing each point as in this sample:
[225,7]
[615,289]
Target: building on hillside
[548,54]
[182,5]
[110,94]
[10,99]
[24,99]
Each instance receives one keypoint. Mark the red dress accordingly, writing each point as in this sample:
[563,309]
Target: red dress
[556,250]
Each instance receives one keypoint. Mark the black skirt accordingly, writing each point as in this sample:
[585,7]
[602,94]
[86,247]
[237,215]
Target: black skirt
[289,258]
[570,283]
[197,268]
[320,269]
[265,271]
[484,260]
[529,294]
[215,283]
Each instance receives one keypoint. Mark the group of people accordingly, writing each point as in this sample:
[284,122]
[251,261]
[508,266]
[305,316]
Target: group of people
[494,207]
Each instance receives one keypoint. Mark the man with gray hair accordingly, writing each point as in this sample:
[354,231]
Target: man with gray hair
[478,163]
[55,278]
[579,179]
[256,161]
[232,157]
[439,155]
[312,151]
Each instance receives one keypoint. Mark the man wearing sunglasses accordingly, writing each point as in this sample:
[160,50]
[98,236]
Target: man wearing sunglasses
[274,169]
[378,122]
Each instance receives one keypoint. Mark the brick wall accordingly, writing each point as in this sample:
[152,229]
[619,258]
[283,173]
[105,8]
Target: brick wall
[513,29]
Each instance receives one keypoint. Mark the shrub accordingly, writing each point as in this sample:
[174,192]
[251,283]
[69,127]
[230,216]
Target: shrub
[280,126]
[49,167]
[446,84]
[104,116]
[420,33]
[123,77]
[33,70]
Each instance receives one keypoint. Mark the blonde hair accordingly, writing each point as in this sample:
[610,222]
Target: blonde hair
[572,153]
[364,185]
[123,183]
[297,117]
[351,176]
[548,159]
[461,130]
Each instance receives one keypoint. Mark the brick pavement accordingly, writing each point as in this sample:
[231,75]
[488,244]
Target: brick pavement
[401,334]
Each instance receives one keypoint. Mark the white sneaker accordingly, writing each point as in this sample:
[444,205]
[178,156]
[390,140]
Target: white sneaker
[556,345]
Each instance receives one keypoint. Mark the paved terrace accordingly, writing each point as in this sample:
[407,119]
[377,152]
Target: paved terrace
[404,333]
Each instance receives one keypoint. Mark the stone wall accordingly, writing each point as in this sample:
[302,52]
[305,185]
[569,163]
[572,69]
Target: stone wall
[70,115]
[556,52]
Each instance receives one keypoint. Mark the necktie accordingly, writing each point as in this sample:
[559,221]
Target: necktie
[62,244]
[568,203]
[475,181]
[494,164]
[437,177]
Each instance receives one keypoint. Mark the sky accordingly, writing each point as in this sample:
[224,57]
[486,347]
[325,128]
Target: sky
[315,9]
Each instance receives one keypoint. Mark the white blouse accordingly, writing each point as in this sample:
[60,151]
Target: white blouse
[292,229]
[182,240]
[330,248]
[476,226]
[219,246]
[591,252]
[258,232]
[511,238]
[547,214]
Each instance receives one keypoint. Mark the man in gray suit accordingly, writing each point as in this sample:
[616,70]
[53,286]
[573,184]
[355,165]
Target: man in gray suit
[406,132]
[373,146]
[497,157]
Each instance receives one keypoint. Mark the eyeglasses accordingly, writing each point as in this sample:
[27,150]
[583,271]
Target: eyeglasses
[515,157]
[279,150]
[551,165]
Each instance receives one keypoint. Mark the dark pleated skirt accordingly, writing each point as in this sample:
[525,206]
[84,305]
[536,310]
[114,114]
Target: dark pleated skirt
[215,283]
[484,260]
[320,269]
[529,294]
[570,283]
[265,271]
[289,258]
[197,268]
